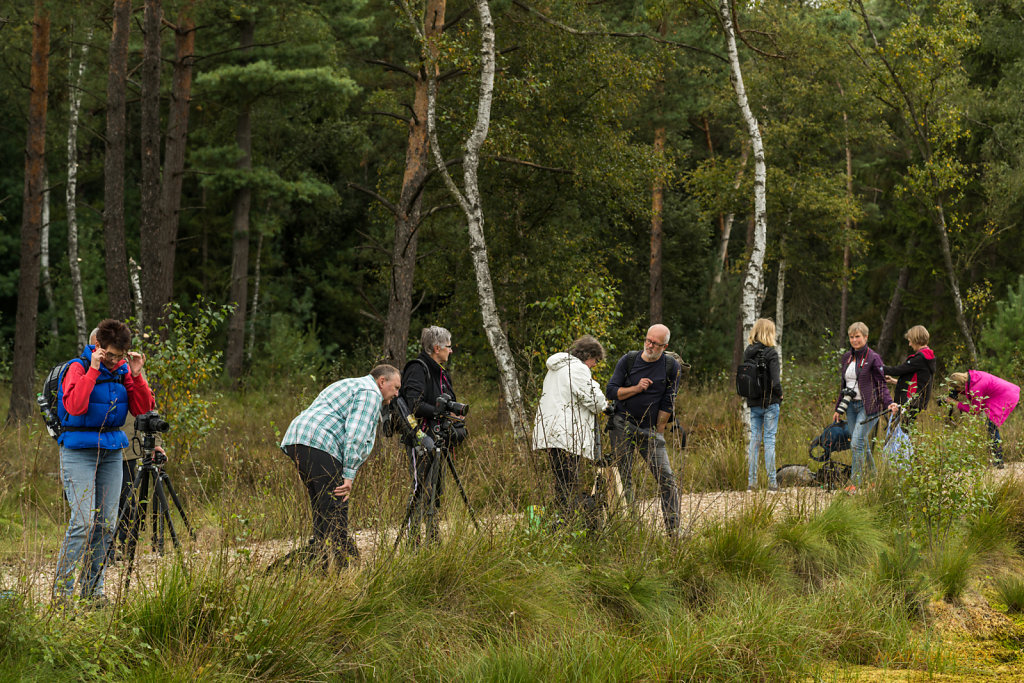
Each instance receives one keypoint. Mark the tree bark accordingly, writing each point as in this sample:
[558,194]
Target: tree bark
[657,223]
[471,206]
[847,230]
[44,263]
[133,277]
[892,315]
[255,299]
[753,283]
[113,166]
[408,212]
[240,232]
[166,239]
[149,209]
[77,76]
[780,299]
[23,371]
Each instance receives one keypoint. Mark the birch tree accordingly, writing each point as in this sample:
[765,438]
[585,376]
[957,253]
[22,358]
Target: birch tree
[71,189]
[469,201]
[753,282]
[23,372]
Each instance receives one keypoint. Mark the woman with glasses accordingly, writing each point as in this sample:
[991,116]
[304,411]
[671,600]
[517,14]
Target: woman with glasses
[97,392]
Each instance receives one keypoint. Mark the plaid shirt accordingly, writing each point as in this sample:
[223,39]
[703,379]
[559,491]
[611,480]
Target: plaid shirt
[341,421]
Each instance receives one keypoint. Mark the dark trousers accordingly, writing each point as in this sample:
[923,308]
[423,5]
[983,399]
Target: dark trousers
[566,468]
[428,485]
[997,442]
[321,473]
[626,441]
[124,516]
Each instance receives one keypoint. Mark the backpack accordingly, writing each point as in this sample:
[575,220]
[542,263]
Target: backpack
[752,379]
[47,398]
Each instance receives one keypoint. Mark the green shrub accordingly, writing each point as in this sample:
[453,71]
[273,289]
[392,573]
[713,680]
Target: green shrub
[950,567]
[899,571]
[1000,338]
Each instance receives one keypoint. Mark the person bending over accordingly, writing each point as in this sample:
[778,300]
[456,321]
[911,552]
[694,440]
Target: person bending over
[988,394]
[328,442]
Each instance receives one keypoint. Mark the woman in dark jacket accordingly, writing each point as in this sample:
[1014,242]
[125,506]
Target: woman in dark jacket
[862,382]
[914,376]
[764,411]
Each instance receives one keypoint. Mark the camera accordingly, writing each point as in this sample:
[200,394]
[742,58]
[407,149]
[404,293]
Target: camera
[151,423]
[445,404]
[845,396]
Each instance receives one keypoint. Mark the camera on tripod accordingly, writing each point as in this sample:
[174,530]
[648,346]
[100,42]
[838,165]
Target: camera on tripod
[445,404]
[447,431]
[151,423]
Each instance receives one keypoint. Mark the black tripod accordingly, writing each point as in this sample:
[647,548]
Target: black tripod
[151,475]
[426,490]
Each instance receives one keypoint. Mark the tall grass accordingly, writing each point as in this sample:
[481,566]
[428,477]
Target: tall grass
[752,593]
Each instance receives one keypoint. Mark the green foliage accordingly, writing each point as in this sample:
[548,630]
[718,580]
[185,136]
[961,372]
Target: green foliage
[940,485]
[1010,591]
[181,365]
[950,567]
[899,572]
[1000,339]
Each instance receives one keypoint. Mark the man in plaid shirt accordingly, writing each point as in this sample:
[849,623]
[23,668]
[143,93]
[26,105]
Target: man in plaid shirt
[328,441]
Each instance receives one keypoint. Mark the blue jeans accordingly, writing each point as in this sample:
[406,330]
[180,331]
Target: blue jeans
[860,440]
[763,421]
[92,483]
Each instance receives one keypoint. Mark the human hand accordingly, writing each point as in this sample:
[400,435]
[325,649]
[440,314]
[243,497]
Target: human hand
[98,356]
[835,417]
[890,379]
[644,383]
[344,490]
[894,407]
[135,362]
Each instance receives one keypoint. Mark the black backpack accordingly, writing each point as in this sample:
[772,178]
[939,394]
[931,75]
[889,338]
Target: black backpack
[47,398]
[752,379]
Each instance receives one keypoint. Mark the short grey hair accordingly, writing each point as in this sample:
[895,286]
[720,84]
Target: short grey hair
[586,348]
[385,371]
[92,335]
[434,336]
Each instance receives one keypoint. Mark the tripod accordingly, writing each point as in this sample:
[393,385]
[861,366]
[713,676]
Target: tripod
[151,473]
[431,485]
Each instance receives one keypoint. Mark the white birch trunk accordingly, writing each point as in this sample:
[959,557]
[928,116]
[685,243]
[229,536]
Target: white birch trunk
[255,299]
[469,201]
[44,261]
[71,191]
[133,277]
[753,283]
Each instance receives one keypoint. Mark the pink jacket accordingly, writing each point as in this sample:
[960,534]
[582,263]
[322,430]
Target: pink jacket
[990,394]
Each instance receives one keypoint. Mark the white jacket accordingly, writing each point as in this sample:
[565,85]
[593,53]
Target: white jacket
[570,401]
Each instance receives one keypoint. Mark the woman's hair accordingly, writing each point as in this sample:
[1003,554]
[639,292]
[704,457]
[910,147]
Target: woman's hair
[918,335]
[958,381]
[113,333]
[858,327]
[763,331]
[434,336]
[586,347]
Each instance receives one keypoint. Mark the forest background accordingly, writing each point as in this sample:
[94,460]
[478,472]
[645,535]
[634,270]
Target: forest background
[274,156]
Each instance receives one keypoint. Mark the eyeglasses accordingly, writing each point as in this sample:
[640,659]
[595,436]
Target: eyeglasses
[651,342]
[116,358]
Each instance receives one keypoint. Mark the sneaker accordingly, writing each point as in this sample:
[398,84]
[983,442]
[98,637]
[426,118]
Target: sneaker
[773,488]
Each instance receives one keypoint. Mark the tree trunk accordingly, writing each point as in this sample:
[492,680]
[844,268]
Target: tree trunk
[24,368]
[240,232]
[753,283]
[954,285]
[133,277]
[470,204]
[740,340]
[780,299]
[44,263]
[77,76]
[892,315]
[149,209]
[847,230]
[657,208]
[408,211]
[726,223]
[113,165]
[166,240]
[255,299]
